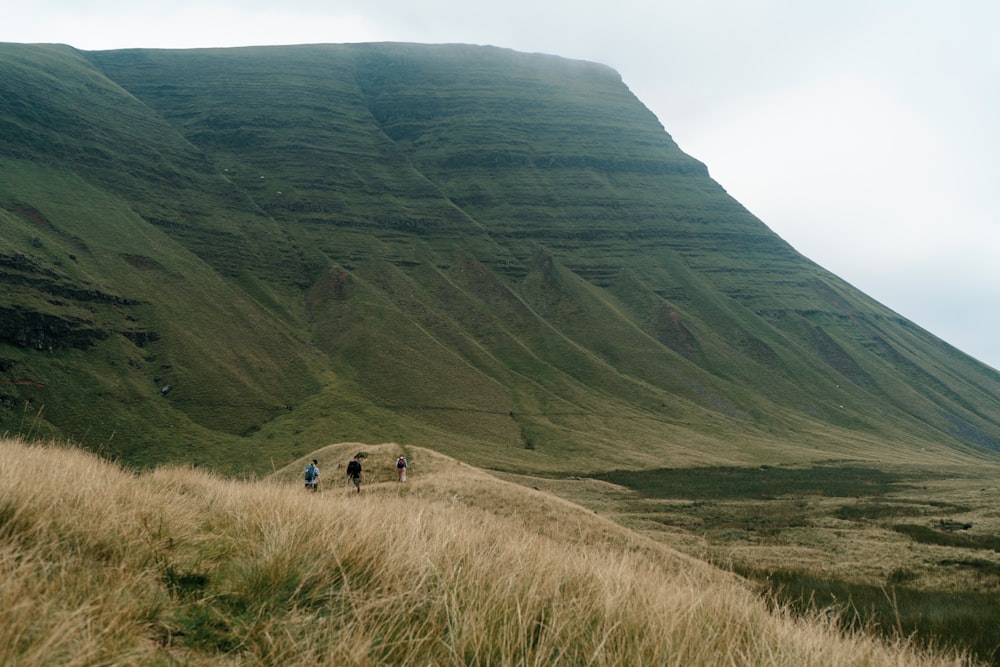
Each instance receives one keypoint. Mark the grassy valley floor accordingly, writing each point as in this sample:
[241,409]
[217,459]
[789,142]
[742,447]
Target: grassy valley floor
[906,550]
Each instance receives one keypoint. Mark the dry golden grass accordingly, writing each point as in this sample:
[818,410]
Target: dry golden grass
[815,539]
[102,566]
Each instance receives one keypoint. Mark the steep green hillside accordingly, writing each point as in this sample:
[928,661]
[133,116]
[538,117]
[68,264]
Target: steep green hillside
[499,255]
[120,305]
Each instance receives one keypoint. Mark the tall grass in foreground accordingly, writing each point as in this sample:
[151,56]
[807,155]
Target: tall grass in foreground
[100,566]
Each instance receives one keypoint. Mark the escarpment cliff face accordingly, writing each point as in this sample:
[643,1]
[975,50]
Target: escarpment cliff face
[501,255]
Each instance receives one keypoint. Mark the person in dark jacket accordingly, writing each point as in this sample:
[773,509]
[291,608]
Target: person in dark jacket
[354,472]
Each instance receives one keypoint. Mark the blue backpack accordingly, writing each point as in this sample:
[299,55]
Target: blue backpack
[310,473]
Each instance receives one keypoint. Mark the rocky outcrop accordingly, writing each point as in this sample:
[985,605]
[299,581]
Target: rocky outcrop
[26,328]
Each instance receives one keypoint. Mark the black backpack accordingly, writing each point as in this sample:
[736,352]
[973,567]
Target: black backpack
[353,469]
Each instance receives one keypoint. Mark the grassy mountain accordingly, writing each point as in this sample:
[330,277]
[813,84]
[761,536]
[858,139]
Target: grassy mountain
[232,256]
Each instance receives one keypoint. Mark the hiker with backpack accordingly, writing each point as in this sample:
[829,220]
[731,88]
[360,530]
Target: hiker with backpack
[401,466]
[354,472]
[312,476]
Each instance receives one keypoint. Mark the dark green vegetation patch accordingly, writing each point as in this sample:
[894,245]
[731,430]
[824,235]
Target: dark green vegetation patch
[940,534]
[878,510]
[758,483]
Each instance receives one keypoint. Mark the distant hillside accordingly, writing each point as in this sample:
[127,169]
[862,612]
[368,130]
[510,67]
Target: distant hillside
[233,256]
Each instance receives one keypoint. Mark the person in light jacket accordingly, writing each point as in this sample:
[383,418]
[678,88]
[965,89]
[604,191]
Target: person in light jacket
[312,476]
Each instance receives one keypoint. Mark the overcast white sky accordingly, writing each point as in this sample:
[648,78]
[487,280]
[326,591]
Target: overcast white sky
[864,132]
